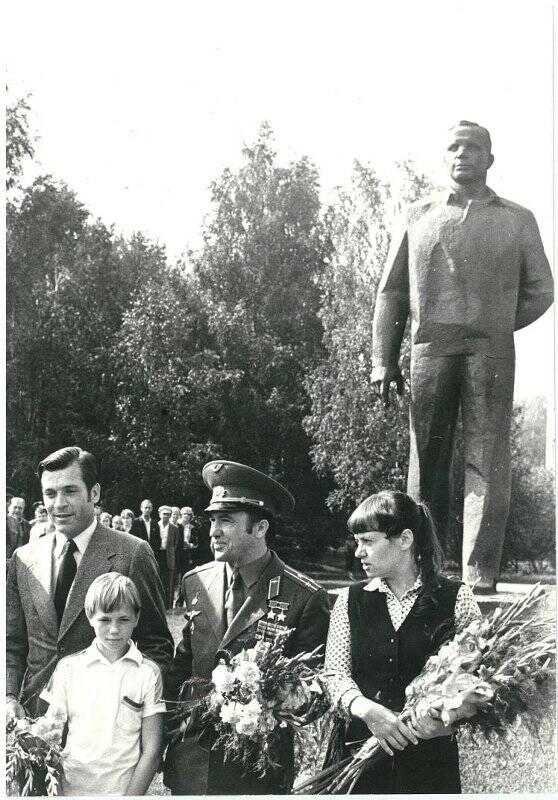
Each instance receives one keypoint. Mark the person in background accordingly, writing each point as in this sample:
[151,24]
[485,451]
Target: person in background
[127,517]
[17,528]
[117,523]
[39,513]
[187,546]
[168,553]
[105,519]
[122,757]
[42,524]
[147,528]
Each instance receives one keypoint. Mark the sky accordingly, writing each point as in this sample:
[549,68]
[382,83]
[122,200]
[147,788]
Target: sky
[139,106]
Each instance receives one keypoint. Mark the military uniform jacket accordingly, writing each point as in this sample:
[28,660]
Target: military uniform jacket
[189,768]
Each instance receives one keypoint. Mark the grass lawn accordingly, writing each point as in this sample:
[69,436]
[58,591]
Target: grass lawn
[520,763]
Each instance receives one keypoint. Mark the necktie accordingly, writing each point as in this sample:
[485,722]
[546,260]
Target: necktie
[66,576]
[233,597]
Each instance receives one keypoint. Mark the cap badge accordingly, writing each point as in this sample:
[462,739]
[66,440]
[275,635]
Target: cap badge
[219,491]
[217,467]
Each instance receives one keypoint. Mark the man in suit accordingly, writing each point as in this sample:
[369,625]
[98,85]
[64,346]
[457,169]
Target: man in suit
[168,555]
[17,528]
[230,604]
[48,579]
[146,528]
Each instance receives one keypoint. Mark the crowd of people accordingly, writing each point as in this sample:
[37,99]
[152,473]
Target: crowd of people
[179,540]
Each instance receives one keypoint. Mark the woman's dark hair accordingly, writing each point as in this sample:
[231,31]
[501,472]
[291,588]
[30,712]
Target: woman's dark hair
[70,455]
[393,512]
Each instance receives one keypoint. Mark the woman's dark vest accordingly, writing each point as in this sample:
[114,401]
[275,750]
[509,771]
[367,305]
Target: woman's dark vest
[384,662]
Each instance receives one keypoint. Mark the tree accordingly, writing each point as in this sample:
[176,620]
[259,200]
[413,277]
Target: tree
[212,360]
[354,439]
[69,281]
[19,142]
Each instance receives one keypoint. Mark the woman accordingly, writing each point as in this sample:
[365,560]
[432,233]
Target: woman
[117,523]
[127,517]
[381,634]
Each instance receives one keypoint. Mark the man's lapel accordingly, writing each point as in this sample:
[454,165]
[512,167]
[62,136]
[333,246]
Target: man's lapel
[39,580]
[255,606]
[96,560]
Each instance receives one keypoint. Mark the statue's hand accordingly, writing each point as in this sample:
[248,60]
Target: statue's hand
[383,377]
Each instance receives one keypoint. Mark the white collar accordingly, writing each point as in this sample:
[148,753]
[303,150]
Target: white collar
[380,585]
[93,654]
[81,540]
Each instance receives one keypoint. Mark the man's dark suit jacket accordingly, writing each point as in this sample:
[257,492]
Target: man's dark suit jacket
[17,534]
[190,767]
[34,640]
[138,529]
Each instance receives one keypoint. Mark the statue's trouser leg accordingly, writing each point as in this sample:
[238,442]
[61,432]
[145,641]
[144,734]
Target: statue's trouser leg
[435,392]
[487,404]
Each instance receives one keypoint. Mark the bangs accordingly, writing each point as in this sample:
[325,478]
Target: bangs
[109,592]
[374,514]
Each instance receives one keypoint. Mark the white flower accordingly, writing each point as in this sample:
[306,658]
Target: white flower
[231,712]
[248,674]
[222,678]
[253,708]
[247,726]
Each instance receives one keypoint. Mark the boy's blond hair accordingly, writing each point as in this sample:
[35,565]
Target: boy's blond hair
[110,591]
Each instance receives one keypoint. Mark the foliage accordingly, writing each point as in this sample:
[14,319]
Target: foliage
[354,438]
[530,531]
[19,142]
[529,543]
[211,360]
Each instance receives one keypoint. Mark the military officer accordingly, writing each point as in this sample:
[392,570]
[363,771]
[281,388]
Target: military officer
[245,594]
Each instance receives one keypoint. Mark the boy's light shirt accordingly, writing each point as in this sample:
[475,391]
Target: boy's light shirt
[104,736]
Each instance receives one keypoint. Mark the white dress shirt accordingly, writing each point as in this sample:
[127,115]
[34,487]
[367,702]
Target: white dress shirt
[164,535]
[59,550]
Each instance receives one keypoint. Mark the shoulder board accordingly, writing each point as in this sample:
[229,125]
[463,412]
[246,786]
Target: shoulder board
[302,579]
[201,568]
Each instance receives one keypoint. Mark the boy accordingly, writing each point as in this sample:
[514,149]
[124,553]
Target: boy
[110,695]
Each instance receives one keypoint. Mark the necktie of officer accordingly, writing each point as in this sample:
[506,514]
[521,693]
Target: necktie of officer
[233,597]
[66,575]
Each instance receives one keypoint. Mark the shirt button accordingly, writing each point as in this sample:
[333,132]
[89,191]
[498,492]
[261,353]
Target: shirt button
[392,641]
[61,648]
[391,660]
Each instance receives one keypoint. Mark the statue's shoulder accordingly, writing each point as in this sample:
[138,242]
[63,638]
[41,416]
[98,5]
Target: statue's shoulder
[424,204]
[514,206]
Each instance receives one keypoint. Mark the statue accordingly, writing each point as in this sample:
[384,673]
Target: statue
[469,268]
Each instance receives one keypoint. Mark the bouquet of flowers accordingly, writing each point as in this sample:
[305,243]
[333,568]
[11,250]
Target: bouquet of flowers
[501,661]
[250,698]
[33,763]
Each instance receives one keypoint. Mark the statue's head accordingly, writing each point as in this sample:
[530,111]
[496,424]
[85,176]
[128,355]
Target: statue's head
[468,153]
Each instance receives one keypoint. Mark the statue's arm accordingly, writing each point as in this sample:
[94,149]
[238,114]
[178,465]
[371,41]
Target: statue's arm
[391,311]
[536,291]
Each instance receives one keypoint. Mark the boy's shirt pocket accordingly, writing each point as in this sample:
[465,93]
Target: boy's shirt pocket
[130,713]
